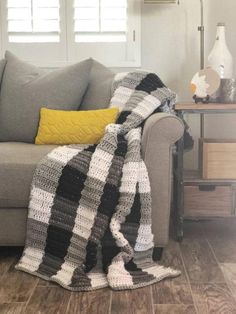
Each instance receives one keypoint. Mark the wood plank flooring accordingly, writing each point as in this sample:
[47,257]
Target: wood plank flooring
[206,257]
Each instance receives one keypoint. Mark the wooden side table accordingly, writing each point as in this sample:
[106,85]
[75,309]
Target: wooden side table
[180,180]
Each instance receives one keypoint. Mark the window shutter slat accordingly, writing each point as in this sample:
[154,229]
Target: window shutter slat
[86,13]
[113,26]
[46,14]
[86,3]
[49,26]
[19,26]
[19,3]
[46,3]
[19,14]
[159,1]
[87,26]
[113,13]
[114,3]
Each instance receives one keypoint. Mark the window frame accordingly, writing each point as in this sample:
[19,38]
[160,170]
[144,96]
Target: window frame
[66,51]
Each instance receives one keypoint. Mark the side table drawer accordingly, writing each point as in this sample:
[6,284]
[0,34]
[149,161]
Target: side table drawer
[209,200]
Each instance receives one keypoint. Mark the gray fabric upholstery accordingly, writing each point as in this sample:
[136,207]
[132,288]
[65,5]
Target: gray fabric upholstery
[98,94]
[160,132]
[26,88]
[17,165]
[13,226]
[2,67]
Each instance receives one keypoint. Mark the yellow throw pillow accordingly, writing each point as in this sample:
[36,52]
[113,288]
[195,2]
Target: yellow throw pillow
[73,127]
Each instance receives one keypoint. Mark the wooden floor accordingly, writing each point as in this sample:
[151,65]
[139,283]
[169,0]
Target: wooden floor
[206,257]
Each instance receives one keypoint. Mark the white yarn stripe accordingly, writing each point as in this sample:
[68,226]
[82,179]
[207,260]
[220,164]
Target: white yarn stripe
[99,165]
[129,178]
[65,273]
[147,106]
[144,240]
[64,154]
[134,135]
[117,275]
[97,279]
[121,97]
[161,272]
[120,241]
[144,183]
[40,205]
[30,259]
[82,227]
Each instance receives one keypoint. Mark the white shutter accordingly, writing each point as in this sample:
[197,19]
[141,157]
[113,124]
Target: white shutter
[106,30]
[35,30]
[33,20]
[100,20]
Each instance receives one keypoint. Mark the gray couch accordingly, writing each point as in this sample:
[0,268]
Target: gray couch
[18,160]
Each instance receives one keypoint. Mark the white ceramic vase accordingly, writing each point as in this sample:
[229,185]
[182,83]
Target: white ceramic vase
[220,58]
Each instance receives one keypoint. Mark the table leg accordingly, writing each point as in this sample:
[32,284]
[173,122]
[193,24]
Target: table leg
[179,191]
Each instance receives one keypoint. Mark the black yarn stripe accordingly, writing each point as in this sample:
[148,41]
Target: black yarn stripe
[150,83]
[108,253]
[123,116]
[70,186]
[137,274]
[107,205]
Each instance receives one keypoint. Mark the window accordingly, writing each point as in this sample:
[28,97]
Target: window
[33,20]
[56,32]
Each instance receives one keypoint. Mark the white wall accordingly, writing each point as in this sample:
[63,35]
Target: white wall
[170,47]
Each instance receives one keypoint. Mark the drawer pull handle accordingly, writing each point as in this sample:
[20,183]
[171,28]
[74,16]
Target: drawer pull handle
[207,188]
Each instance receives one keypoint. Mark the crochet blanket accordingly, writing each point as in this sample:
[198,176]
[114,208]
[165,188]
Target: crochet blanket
[89,221]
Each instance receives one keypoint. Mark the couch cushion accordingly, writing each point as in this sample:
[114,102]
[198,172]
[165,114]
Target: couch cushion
[98,94]
[2,67]
[26,88]
[17,164]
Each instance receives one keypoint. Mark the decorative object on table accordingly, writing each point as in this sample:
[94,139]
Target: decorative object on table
[204,84]
[220,58]
[227,91]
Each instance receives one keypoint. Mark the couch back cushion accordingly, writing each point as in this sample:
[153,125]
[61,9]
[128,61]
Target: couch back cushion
[98,94]
[26,88]
[2,67]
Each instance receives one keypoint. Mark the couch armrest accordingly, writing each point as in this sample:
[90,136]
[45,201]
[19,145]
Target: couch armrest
[160,132]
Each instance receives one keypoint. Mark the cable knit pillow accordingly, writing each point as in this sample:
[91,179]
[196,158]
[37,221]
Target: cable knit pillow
[26,88]
[73,127]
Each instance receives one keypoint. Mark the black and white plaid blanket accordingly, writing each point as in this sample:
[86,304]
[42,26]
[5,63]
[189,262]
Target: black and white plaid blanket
[89,223]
